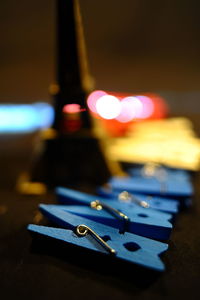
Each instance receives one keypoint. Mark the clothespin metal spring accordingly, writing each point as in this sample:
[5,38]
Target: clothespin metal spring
[127,197]
[113,211]
[83,230]
[156,170]
[99,206]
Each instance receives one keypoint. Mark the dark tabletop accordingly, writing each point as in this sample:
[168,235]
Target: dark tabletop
[40,269]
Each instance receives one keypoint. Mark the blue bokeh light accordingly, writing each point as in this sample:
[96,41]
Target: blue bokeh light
[22,118]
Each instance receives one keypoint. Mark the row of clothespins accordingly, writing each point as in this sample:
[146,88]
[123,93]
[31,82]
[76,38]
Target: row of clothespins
[131,219]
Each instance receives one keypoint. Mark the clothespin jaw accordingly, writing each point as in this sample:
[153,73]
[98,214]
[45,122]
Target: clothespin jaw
[129,247]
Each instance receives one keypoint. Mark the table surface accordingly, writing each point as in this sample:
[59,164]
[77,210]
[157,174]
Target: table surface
[166,58]
[31,269]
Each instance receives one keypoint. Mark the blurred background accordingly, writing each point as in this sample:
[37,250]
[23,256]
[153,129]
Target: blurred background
[132,45]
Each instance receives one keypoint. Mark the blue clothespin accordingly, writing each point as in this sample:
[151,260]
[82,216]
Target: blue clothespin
[155,202]
[179,175]
[88,234]
[69,196]
[152,186]
[124,216]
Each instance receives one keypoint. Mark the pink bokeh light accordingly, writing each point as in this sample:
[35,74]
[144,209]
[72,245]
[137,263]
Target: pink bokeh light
[147,107]
[72,108]
[92,99]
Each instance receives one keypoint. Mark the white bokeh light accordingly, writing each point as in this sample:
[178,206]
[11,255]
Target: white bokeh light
[108,107]
[131,108]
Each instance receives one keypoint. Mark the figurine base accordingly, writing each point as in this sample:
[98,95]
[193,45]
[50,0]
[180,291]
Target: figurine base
[67,161]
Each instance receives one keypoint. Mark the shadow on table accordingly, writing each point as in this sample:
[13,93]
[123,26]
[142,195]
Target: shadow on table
[84,262]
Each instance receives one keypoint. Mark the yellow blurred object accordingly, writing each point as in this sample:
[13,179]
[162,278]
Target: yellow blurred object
[54,89]
[38,217]
[26,187]
[170,142]
[48,133]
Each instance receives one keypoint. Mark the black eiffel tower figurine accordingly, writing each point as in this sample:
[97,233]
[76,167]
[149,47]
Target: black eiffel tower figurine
[72,155]
[73,80]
